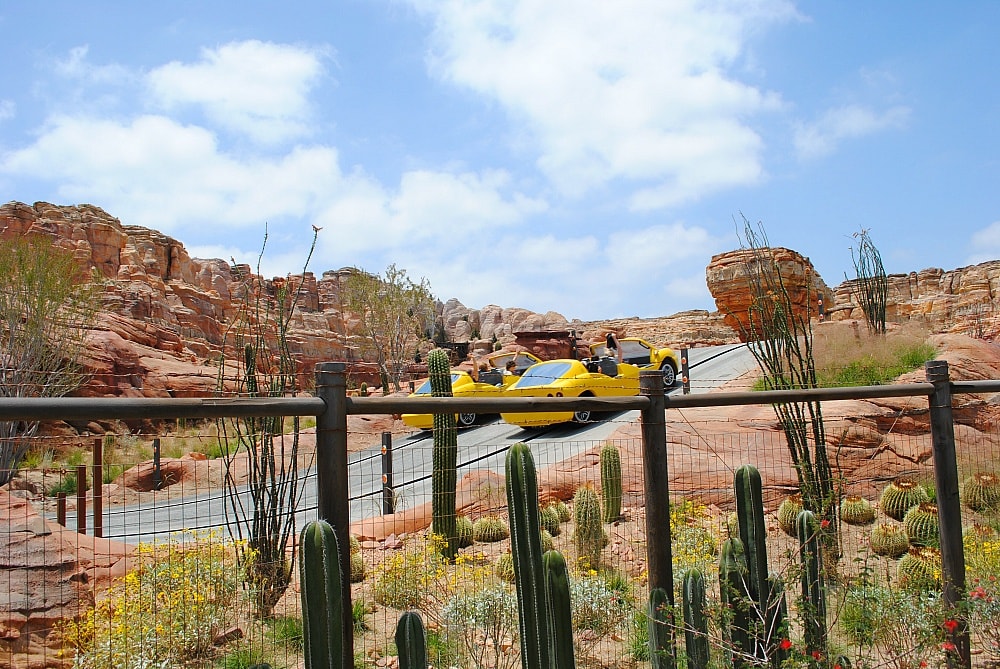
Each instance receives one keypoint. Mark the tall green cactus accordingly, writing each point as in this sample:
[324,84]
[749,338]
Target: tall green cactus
[695,620]
[526,546]
[611,482]
[733,575]
[658,622]
[753,533]
[322,602]
[813,597]
[559,617]
[589,534]
[411,645]
[444,472]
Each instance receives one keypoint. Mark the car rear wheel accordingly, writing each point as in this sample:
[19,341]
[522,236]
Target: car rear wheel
[669,374]
[581,416]
[466,419]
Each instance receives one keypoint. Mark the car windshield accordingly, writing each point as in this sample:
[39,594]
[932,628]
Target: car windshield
[543,374]
[425,387]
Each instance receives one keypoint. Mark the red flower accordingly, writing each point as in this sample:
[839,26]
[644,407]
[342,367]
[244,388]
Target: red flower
[979,593]
[824,523]
[948,646]
[923,664]
[785,644]
[816,655]
[951,625]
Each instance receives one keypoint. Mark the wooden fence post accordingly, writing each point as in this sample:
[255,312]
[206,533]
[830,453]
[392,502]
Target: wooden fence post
[388,492]
[949,506]
[657,491]
[331,477]
[98,488]
[81,499]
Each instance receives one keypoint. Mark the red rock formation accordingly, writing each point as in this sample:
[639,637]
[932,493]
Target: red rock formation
[726,276]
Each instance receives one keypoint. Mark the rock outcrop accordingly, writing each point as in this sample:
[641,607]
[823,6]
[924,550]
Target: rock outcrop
[728,281]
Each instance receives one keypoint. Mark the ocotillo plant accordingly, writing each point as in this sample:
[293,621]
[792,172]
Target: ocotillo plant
[695,620]
[322,602]
[658,622]
[611,483]
[559,617]
[410,642]
[526,546]
[813,598]
[444,476]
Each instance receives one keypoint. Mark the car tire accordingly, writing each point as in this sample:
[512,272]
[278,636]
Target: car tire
[581,416]
[466,419]
[669,374]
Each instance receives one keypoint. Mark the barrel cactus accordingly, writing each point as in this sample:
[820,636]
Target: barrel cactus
[921,523]
[788,511]
[549,519]
[562,510]
[504,567]
[463,527]
[611,483]
[889,540]
[355,544]
[411,643]
[920,568]
[357,568]
[589,535]
[548,543]
[900,496]
[855,510]
[490,529]
[981,492]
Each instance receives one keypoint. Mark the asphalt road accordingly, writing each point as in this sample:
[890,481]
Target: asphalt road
[480,447]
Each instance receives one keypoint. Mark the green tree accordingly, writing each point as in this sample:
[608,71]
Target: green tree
[260,364]
[394,311]
[46,308]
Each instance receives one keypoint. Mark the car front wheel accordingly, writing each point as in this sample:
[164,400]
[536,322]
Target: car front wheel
[669,374]
[466,419]
[581,416]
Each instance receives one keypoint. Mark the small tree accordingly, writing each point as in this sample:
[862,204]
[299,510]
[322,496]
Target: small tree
[394,312]
[780,338]
[262,517]
[46,308]
[871,289]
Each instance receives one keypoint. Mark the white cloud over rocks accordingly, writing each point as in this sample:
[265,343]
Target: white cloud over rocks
[641,90]
[821,137]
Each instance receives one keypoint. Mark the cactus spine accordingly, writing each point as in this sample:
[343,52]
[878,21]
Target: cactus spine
[322,602]
[788,511]
[695,620]
[814,600]
[981,492]
[611,483]
[444,475]
[559,618]
[920,568]
[855,510]
[410,642]
[776,621]
[589,533]
[658,624]
[525,541]
[889,540]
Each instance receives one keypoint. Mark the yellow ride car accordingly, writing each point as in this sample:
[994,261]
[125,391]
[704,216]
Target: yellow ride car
[491,383]
[641,353]
[595,377]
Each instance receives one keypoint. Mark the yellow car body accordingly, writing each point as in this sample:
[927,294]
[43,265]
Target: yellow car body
[642,354]
[491,383]
[570,378]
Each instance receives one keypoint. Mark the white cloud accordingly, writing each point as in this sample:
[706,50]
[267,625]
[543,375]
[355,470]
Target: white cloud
[986,243]
[817,139]
[76,66]
[7,109]
[257,88]
[638,90]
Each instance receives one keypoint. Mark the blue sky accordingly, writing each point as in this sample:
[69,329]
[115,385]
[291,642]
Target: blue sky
[579,156]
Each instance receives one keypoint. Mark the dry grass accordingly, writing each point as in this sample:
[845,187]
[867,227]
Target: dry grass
[847,354]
